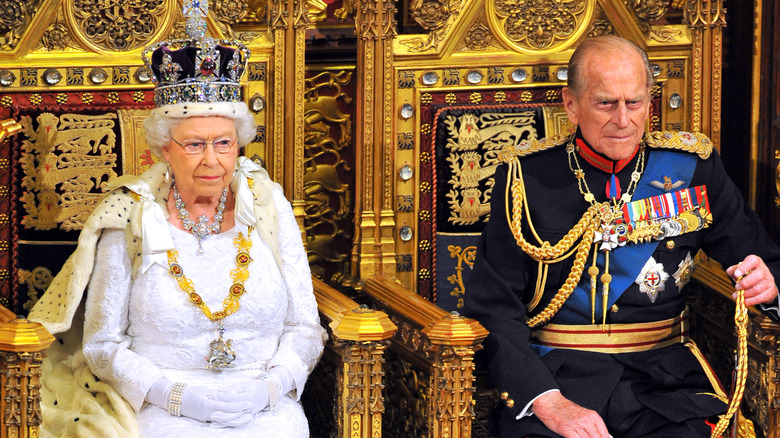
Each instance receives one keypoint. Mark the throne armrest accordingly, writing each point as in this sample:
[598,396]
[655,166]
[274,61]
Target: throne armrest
[433,343]
[713,329]
[350,377]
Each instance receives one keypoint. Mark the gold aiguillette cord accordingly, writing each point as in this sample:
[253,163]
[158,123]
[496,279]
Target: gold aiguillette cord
[740,320]
[606,278]
[593,271]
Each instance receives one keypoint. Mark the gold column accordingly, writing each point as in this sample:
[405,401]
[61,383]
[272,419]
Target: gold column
[450,408]
[360,338]
[706,19]
[374,251]
[22,349]
[289,21]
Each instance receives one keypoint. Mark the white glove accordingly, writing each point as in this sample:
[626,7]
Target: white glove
[202,403]
[260,392]
[253,391]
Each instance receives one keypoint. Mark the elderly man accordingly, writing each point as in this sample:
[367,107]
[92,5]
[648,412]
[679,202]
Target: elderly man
[579,272]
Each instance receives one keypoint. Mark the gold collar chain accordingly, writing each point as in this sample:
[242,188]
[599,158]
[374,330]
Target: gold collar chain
[238,275]
[607,237]
[614,211]
[221,352]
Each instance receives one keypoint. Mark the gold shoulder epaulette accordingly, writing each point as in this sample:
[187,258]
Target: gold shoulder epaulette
[529,147]
[694,142]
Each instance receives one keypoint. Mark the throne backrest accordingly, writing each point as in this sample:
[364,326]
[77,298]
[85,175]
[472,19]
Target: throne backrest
[476,83]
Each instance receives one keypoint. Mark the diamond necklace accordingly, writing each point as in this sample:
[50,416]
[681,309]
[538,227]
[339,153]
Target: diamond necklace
[202,229]
[221,352]
[611,230]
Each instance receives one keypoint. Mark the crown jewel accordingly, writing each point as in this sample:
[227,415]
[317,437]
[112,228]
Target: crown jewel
[197,68]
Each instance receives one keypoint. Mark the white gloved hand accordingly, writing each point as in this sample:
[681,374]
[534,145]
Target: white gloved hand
[260,392]
[253,391]
[206,404]
[202,403]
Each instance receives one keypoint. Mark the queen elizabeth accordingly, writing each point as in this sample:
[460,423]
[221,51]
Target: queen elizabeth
[199,309]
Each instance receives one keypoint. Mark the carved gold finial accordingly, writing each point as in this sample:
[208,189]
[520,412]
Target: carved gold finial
[454,329]
[20,335]
[363,324]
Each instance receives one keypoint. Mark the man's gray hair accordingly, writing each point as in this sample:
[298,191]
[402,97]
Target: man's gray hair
[597,44]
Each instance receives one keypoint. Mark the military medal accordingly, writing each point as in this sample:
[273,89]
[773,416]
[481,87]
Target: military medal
[652,279]
[683,274]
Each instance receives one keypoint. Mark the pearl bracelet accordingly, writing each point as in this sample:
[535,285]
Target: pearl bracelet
[273,391]
[174,399]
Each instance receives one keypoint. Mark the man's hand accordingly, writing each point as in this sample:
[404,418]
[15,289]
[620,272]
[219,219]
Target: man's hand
[567,418]
[755,279]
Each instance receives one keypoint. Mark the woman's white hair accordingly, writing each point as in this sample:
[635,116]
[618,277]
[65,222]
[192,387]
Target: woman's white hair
[159,124]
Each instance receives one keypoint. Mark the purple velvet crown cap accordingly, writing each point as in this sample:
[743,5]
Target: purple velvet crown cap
[186,58]
[204,70]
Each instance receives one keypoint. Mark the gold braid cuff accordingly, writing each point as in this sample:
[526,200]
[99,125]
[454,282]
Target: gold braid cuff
[546,253]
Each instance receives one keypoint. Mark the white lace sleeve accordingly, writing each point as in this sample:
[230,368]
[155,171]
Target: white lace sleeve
[301,343]
[106,342]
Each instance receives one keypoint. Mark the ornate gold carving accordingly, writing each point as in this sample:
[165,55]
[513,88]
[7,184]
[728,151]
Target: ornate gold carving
[63,160]
[407,403]
[257,11]
[648,10]
[361,383]
[55,37]
[14,20]
[21,352]
[540,25]
[316,10]
[328,201]
[478,37]
[435,16]
[601,25]
[665,34]
[117,25]
[229,11]
[37,281]
[347,8]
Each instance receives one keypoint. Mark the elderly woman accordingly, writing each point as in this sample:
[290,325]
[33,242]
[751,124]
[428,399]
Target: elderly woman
[199,311]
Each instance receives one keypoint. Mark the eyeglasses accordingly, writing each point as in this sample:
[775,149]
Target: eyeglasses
[195,147]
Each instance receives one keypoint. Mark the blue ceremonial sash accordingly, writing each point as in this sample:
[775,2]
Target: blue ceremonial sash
[627,261]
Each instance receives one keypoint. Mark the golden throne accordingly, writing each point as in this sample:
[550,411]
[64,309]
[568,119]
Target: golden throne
[73,93]
[497,68]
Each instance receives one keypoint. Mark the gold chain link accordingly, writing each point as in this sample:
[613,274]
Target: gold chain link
[239,275]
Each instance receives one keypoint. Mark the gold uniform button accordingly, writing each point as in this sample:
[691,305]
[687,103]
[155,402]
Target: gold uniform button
[504,395]
[614,308]
[670,244]
[510,403]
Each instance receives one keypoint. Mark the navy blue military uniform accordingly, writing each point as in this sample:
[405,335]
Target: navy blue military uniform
[660,392]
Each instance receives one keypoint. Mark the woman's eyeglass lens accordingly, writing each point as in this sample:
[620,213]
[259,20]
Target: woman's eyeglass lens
[198,147]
